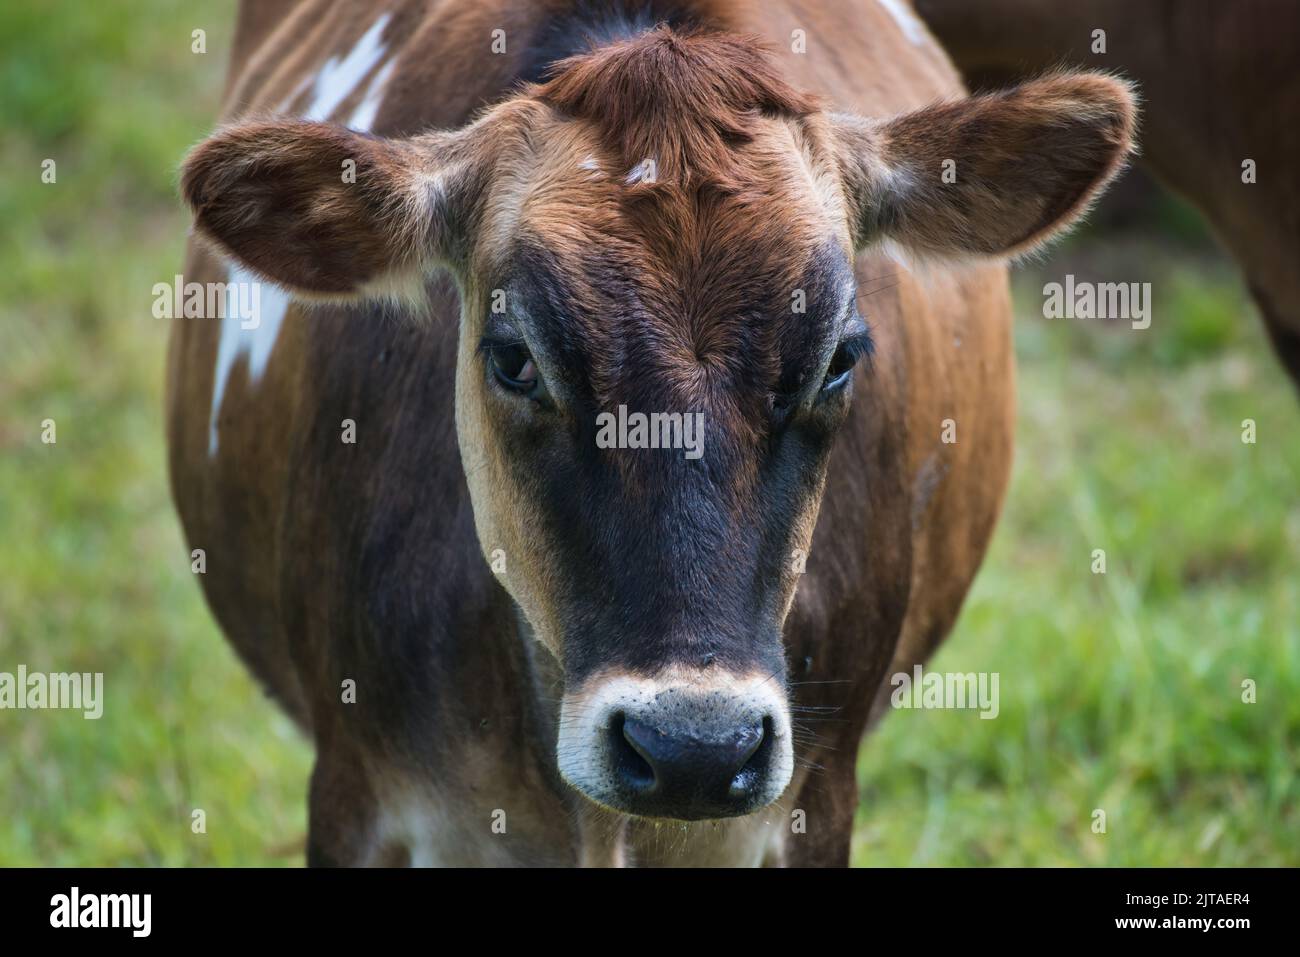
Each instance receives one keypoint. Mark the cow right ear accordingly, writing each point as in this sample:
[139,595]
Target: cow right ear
[991,175]
[324,211]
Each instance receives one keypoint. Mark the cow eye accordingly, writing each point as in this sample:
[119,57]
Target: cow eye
[513,367]
[846,357]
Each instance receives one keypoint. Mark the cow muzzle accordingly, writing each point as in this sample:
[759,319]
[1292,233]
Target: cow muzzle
[680,746]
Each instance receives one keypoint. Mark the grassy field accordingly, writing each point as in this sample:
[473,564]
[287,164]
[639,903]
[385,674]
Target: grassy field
[1119,691]
[1123,691]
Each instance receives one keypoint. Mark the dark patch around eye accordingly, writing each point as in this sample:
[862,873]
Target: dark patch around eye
[848,353]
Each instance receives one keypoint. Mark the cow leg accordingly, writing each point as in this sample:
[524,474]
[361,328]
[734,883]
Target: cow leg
[342,813]
[828,799]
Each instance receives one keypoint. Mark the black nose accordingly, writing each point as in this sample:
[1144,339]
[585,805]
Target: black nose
[672,769]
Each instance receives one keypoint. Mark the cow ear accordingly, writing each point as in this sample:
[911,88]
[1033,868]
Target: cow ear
[322,210]
[989,175]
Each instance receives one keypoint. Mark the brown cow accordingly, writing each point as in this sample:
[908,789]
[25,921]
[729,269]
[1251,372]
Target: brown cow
[512,639]
[1220,87]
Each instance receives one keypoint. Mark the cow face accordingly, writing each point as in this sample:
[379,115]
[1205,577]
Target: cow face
[659,340]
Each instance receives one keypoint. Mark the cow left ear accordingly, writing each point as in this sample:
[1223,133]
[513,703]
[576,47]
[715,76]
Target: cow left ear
[326,212]
[989,175]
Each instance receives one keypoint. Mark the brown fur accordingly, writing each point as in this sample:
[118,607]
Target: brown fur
[1220,86]
[329,562]
[687,101]
[276,192]
[1067,135]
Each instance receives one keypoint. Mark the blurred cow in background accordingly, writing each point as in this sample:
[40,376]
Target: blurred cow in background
[1221,100]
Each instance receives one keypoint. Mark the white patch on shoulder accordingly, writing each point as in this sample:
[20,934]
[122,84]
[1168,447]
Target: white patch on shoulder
[906,19]
[254,335]
[337,80]
[364,117]
[339,77]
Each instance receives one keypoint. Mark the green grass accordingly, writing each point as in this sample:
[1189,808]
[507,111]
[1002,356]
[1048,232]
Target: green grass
[93,572]
[1119,692]
[1122,691]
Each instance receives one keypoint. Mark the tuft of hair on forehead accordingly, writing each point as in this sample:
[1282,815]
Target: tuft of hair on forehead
[683,100]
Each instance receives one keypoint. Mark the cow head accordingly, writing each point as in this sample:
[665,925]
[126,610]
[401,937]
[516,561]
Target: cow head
[658,337]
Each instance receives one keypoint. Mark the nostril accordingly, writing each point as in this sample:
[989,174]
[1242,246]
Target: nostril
[752,771]
[629,762]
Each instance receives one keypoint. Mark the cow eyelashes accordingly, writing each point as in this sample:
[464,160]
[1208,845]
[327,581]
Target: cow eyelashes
[838,374]
[512,365]
[846,357]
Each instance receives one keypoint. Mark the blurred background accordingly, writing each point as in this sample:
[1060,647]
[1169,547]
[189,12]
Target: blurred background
[1127,686]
